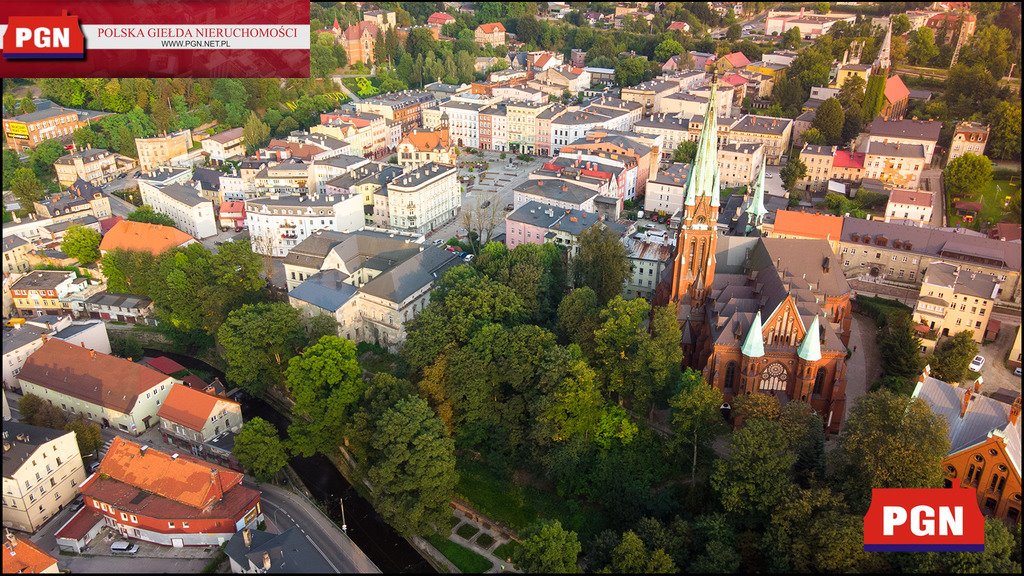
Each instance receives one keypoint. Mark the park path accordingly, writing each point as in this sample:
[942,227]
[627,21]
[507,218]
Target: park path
[863,367]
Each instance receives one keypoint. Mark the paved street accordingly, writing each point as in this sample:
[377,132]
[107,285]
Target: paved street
[995,372]
[110,565]
[286,509]
[862,368]
[118,206]
[931,179]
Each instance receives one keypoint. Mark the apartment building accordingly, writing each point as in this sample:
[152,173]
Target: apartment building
[278,223]
[521,117]
[81,199]
[323,171]
[41,292]
[490,34]
[818,160]
[191,213]
[23,340]
[738,163]
[405,108]
[637,155]
[894,163]
[16,251]
[694,103]
[647,93]
[561,125]
[190,419]
[421,146]
[143,237]
[951,301]
[164,149]
[539,223]
[424,198]
[42,472]
[673,129]
[968,138]
[904,132]
[909,207]
[367,181]
[649,253]
[21,556]
[123,394]
[95,166]
[560,194]
[26,131]
[366,133]
[290,176]
[774,133]
[666,190]
[223,145]
[900,254]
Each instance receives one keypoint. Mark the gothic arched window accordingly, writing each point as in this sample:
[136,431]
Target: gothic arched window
[819,380]
[774,377]
[730,376]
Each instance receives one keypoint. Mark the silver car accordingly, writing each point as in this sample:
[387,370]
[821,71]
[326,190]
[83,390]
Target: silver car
[124,548]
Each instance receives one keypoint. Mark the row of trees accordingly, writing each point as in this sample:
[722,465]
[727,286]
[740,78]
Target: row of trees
[38,412]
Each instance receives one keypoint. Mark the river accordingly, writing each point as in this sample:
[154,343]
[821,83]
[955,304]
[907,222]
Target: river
[388,550]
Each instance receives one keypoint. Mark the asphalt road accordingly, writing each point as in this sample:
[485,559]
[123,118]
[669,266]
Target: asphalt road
[111,565]
[286,509]
[119,207]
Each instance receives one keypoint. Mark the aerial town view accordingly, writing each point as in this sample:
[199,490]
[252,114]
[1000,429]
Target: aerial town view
[535,287]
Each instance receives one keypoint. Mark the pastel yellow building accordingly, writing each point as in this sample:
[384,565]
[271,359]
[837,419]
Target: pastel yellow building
[847,71]
[952,300]
[42,471]
[522,124]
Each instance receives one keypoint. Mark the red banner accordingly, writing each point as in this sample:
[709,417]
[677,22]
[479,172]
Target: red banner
[154,38]
[924,520]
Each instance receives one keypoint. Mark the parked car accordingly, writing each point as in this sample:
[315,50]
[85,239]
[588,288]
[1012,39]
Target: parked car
[78,503]
[977,363]
[1016,371]
[438,242]
[486,204]
[452,248]
[94,467]
[468,258]
[509,207]
[124,548]
[137,174]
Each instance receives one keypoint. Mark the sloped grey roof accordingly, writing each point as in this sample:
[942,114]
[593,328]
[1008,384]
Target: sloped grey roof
[984,416]
[406,278]
[32,437]
[325,289]
[935,242]
[183,194]
[290,552]
[311,252]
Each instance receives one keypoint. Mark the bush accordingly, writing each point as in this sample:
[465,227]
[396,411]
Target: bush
[879,309]
[503,155]
[126,347]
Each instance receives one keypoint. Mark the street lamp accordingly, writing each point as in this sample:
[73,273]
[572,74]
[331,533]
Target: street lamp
[344,527]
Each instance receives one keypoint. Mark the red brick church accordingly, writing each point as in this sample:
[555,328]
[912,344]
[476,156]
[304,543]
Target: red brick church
[757,314]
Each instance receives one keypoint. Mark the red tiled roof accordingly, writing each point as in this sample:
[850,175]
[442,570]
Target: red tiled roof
[232,207]
[80,524]
[184,479]
[737,59]
[355,31]
[194,382]
[107,223]
[142,237]
[188,407]
[544,59]
[26,558]
[440,18]
[734,79]
[807,225]
[227,135]
[492,27]
[427,140]
[911,197]
[678,26]
[844,159]
[896,90]
[1006,231]
[297,149]
[97,378]
[165,365]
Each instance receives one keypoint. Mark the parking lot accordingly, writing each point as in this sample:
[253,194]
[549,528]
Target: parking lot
[995,373]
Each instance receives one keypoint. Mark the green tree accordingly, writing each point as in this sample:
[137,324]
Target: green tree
[259,449]
[888,441]
[126,346]
[319,326]
[620,356]
[10,164]
[578,318]
[631,71]
[734,32]
[1004,142]
[900,25]
[696,417]
[631,556]
[756,476]
[822,7]
[997,558]
[794,171]
[922,46]
[258,340]
[322,61]
[412,468]
[601,262]
[88,436]
[82,244]
[43,157]
[129,271]
[667,49]
[829,121]
[967,176]
[145,213]
[325,381]
[549,549]
[814,136]
[900,347]
[953,355]
[874,96]
[685,152]
[26,187]
[26,105]
[751,406]
[38,412]
[790,39]
[256,132]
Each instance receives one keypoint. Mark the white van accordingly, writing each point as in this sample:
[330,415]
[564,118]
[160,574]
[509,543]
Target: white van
[124,548]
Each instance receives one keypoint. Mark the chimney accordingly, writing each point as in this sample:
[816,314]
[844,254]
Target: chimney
[247,537]
[977,385]
[266,561]
[965,402]
[142,450]
[1014,415]
[92,354]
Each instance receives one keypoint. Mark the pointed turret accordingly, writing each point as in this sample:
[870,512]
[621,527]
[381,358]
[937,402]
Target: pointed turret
[756,210]
[810,348]
[703,178]
[884,59]
[753,344]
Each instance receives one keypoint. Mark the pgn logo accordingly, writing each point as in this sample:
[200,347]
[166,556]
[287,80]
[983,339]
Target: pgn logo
[924,520]
[43,37]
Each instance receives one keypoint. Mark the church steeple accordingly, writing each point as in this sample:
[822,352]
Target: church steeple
[753,343]
[810,348]
[694,267]
[756,210]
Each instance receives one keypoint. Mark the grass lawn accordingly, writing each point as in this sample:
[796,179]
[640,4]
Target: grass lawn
[505,550]
[467,561]
[993,202]
[485,540]
[467,531]
[519,506]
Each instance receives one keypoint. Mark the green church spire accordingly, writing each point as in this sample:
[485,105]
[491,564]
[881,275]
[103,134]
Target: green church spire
[704,180]
[810,348]
[756,210]
[753,344]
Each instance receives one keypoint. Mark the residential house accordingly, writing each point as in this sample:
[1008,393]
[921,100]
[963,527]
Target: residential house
[191,213]
[702,60]
[951,25]
[732,61]
[1013,358]
[165,175]
[739,163]
[968,138]
[560,194]
[190,418]
[405,108]
[440,19]
[143,237]
[42,471]
[490,34]
[231,216]
[909,207]
[809,226]
[366,133]
[637,155]
[646,93]
[666,190]
[672,129]
[537,223]
[81,199]
[894,163]
[818,160]
[44,292]
[16,251]
[851,70]
[119,307]
[95,166]
[21,556]
[170,499]
[323,171]
[28,130]
[384,19]
[951,301]
[368,181]
[164,149]
[224,145]
[984,443]
[424,198]
[207,182]
[421,146]
[923,132]
[649,253]
[257,552]
[774,133]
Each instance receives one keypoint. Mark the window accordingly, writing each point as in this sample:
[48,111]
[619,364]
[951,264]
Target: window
[184,524]
[135,519]
[170,524]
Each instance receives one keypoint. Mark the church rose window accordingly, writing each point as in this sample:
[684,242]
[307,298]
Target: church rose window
[774,377]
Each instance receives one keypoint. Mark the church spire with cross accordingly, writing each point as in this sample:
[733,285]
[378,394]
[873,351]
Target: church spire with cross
[756,210]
